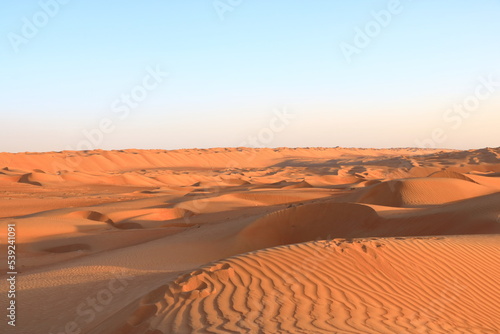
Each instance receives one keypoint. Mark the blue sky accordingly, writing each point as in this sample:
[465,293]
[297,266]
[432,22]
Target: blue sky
[230,70]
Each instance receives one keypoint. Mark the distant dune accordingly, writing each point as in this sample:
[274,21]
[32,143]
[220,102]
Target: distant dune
[241,240]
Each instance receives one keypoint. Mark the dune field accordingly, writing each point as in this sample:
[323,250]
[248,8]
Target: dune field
[241,240]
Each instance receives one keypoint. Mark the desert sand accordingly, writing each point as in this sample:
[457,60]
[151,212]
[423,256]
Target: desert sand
[241,240]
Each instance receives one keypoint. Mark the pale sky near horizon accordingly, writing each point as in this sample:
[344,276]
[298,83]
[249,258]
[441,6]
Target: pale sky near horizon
[427,74]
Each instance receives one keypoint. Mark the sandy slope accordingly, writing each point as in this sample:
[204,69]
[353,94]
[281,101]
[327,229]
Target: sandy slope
[125,241]
[401,285]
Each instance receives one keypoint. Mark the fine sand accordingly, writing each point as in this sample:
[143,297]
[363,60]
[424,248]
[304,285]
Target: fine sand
[240,240]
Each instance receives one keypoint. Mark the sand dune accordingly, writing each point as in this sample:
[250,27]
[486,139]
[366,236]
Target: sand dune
[240,240]
[335,286]
[422,191]
[318,221]
[451,174]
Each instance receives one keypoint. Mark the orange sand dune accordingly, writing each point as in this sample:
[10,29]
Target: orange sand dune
[211,158]
[401,285]
[241,240]
[422,191]
[325,220]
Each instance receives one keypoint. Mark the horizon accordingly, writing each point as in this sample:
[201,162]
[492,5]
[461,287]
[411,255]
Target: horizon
[438,149]
[166,75]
